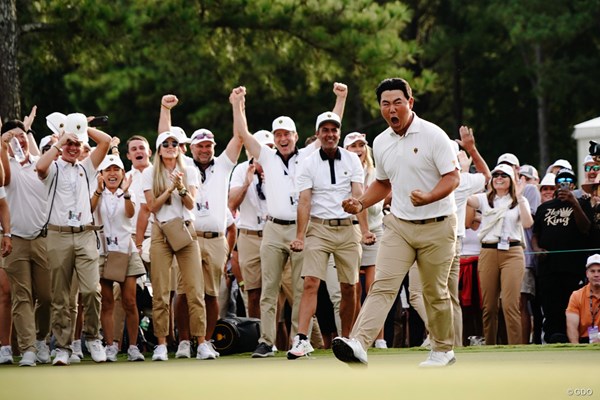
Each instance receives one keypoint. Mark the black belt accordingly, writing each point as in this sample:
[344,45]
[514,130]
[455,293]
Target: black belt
[251,232]
[425,221]
[495,245]
[281,221]
[209,235]
[334,221]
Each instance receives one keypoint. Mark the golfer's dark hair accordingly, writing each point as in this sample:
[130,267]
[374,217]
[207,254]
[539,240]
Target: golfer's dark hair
[12,124]
[393,84]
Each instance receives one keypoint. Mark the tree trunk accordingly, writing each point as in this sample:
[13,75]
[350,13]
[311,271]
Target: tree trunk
[10,86]
[542,109]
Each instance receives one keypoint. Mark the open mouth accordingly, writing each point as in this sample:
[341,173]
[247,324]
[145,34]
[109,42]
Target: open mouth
[139,158]
[395,120]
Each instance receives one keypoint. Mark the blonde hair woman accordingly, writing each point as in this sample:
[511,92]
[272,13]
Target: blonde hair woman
[170,189]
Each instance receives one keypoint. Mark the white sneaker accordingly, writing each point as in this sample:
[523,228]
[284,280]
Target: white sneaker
[6,356]
[426,343]
[76,348]
[96,350]
[111,352]
[73,359]
[381,344]
[160,353]
[134,354]
[43,352]
[205,352]
[300,348]
[213,349]
[61,357]
[28,359]
[183,350]
[439,359]
[349,350]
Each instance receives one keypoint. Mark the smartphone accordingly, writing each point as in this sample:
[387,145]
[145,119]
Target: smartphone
[565,185]
[99,121]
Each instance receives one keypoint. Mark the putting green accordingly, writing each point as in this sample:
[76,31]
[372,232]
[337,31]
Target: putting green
[518,372]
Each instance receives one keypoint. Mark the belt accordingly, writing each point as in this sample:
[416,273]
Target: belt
[334,221]
[281,221]
[424,221]
[495,245]
[209,235]
[73,229]
[250,232]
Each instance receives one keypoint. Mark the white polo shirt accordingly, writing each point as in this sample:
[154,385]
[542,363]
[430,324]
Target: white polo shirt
[280,181]
[415,161]
[210,209]
[110,212]
[375,212]
[469,185]
[136,190]
[27,199]
[72,203]
[176,208]
[330,181]
[253,210]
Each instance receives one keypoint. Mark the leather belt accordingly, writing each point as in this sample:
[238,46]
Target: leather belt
[281,221]
[250,232]
[209,235]
[495,245]
[334,221]
[424,221]
[73,229]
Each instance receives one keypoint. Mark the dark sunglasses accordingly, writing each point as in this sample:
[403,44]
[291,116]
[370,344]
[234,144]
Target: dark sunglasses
[563,180]
[173,144]
[594,168]
[500,174]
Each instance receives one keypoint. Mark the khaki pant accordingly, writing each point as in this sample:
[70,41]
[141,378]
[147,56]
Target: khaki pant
[432,246]
[190,268]
[249,258]
[274,254]
[500,274]
[29,276]
[70,253]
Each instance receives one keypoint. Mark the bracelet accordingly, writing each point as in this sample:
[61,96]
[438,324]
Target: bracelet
[97,194]
[111,150]
[362,206]
[30,131]
[138,246]
[162,105]
[57,148]
[127,196]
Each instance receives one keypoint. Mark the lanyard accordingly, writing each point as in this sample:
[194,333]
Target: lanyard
[592,311]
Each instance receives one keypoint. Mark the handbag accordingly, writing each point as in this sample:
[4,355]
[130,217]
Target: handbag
[115,266]
[177,234]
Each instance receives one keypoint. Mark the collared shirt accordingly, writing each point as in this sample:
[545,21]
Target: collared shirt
[110,212]
[136,190]
[330,180]
[280,185]
[469,184]
[579,304]
[253,209]
[27,199]
[415,161]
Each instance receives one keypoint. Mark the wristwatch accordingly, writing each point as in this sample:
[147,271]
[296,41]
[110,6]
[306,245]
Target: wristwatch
[183,192]
[8,235]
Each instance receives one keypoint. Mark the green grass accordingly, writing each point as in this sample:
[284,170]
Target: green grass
[495,372]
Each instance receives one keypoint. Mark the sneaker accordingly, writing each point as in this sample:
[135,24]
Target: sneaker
[160,353]
[111,352]
[426,343]
[6,356]
[73,359]
[96,350]
[275,350]
[61,357]
[183,350]
[134,354]
[205,352]
[263,350]
[439,359]
[28,359]
[300,348]
[349,350]
[76,349]
[214,349]
[43,352]
[381,344]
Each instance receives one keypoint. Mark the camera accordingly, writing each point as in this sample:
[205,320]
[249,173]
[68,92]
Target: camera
[595,150]
[565,185]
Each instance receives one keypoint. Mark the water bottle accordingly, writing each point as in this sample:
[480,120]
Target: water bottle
[144,323]
[17,150]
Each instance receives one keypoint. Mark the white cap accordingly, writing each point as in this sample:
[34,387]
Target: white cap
[285,123]
[202,135]
[56,122]
[562,163]
[181,136]
[328,116]
[45,140]
[594,259]
[164,136]
[508,158]
[109,160]
[507,169]
[264,137]
[549,180]
[77,123]
[355,137]
[588,160]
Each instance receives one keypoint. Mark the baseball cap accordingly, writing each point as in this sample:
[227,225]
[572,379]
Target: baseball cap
[77,123]
[56,122]
[328,116]
[529,171]
[594,259]
[264,137]
[355,137]
[45,141]
[562,163]
[164,136]
[285,123]
[507,169]
[566,173]
[111,160]
[508,158]
[181,136]
[588,160]
[549,180]
[202,135]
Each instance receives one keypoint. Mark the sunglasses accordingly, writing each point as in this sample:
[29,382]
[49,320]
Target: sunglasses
[594,168]
[564,180]
[172,144]
[204,135]
[500,175]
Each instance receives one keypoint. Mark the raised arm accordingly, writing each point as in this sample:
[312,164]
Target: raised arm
[467,142]
[341,93]
[167,102]
[102,144]
[238,103]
